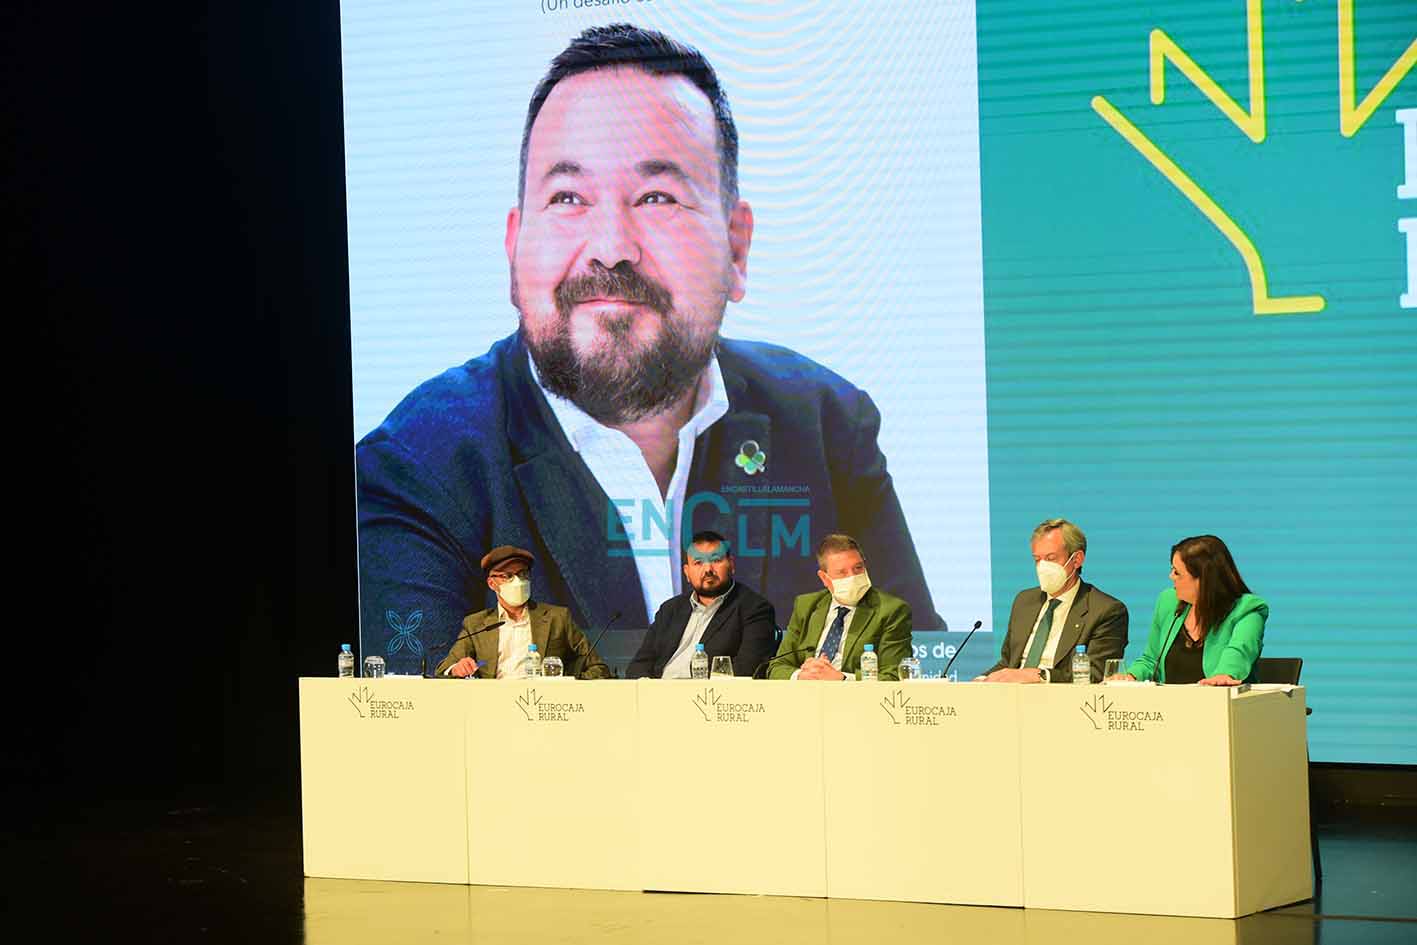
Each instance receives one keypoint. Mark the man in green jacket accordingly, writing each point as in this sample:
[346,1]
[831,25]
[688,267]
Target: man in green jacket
[493,643]
[830,628]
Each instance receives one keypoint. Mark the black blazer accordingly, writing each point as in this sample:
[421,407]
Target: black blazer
[742,628]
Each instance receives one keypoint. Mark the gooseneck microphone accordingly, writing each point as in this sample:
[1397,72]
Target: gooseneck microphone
[781,656]
[469,633]
[580,674]
[960,649]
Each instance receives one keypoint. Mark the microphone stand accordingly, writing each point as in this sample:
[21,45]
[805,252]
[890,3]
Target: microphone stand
[460,638]
[946,674]
[580,673]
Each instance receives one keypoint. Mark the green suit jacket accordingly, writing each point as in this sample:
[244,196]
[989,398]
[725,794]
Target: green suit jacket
[1232,648]
[552,630]
[880,619]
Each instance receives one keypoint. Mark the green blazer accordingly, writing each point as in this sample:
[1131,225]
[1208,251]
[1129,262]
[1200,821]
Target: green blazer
[552,630]
[1231,648]
[880,619]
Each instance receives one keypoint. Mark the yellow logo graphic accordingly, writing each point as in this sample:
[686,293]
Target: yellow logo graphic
[1251,121]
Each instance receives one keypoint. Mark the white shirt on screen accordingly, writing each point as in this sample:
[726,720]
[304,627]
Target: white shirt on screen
[1060,618]
[699,617]
[651,521]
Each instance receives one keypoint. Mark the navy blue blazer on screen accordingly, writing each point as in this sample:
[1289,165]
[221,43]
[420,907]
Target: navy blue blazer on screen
[474,458]
[742,628]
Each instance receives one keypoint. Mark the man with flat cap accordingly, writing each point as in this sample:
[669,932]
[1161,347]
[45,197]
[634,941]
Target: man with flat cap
[494,643]
[728,618]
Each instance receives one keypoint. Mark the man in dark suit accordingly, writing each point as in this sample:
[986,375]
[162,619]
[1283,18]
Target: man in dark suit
[616,419]
[728,618]
[1049,621]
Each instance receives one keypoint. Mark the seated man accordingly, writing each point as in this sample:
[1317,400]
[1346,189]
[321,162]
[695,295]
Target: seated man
[1047,622]
[493,643]
[728,618]
[831,627]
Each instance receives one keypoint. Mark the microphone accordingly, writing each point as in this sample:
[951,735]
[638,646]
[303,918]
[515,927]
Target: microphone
[598,637]
[470,633]
[946,673]
[781,656]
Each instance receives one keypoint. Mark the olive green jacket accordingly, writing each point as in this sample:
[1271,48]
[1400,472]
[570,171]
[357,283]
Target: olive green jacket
[880,619]
[552,630]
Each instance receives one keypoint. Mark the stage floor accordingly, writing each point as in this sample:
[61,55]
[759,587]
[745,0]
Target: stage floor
[220,874]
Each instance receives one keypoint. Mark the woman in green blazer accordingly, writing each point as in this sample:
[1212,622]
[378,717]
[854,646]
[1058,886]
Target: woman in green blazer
[1208,628]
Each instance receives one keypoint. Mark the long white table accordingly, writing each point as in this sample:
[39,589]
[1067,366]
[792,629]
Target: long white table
[1097,798]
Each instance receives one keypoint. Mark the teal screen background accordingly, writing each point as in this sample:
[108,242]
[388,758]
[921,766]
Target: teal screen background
[1131,387]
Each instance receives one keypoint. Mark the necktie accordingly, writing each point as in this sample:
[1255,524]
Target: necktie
[833,640]
[1040,636]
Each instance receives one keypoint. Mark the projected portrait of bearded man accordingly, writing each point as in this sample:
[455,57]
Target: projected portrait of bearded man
[616,421]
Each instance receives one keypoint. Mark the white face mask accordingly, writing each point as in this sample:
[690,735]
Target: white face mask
[1052,576]
[850,589]
[515,591]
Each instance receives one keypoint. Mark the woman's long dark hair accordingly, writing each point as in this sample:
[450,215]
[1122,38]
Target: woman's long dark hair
[1209,561]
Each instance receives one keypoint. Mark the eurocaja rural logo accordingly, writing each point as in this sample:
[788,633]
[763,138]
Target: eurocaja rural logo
[1107,716]
[1312,190]
[370,707]
[910,710]
[535,707]
[714,708]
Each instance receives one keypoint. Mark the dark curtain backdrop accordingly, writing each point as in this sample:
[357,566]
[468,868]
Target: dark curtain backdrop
[180,456]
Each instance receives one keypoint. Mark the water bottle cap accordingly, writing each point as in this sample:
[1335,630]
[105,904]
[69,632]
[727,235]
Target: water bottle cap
[698,647]
[344,647]
[531,648]
[1081,648]
[870,648]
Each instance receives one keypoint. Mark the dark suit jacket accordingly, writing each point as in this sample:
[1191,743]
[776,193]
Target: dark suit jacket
[474,458]
[552,630]
[881,619]
[1096,620]
[742,628]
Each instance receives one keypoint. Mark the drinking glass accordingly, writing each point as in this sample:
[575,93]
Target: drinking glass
[909,668]
[721,666]
[551,666]
[373,667]
[1113,668]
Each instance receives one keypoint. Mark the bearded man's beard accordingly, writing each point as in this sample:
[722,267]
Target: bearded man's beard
[617,382]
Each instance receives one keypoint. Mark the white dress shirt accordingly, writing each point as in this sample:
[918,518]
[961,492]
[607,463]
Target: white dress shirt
[513,639]
[699,617]
[1049,659]
[650,521]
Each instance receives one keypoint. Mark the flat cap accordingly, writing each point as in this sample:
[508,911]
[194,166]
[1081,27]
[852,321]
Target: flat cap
[504,553]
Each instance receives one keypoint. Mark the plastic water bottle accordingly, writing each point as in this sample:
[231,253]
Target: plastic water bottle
[699,665]
[870,664]
[533,662]
[1082,670]
[346,661]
